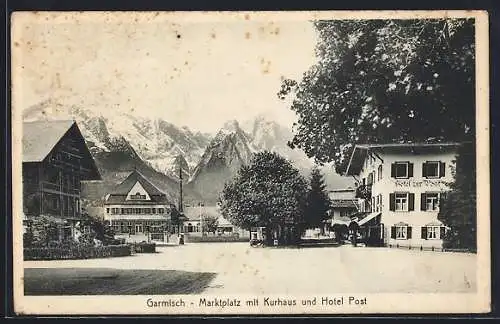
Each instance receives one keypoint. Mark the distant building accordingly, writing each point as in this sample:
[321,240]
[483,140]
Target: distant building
[194,220]
[138,211]
[343,204]
[400,186]
[55,161]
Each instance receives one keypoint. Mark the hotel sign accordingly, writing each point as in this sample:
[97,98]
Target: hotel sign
[434,183]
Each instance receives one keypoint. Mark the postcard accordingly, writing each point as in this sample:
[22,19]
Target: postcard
[248,163]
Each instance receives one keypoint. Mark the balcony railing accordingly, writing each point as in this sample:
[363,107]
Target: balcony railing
[57,187]
[364,192]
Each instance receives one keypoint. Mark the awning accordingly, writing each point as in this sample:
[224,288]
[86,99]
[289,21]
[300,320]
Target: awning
[339,221]
[368,218]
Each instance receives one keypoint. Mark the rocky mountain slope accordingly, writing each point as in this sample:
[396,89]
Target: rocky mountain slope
[158,149]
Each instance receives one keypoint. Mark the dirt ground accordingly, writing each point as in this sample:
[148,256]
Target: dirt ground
[239,269]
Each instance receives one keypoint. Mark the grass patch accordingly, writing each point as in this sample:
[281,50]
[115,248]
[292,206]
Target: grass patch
[104,281]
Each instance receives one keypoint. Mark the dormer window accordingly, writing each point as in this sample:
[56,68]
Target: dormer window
[138,196]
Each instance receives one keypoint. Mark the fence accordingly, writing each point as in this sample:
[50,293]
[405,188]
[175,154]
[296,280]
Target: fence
[77,252]
[214,239]
[429,248]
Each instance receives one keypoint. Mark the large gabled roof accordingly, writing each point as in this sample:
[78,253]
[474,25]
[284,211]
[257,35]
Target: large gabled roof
[135,176]
[40,137]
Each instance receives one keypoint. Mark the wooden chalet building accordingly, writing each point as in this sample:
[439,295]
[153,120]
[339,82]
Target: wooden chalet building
[55,161]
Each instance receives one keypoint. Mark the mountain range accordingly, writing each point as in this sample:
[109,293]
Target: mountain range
[164,152]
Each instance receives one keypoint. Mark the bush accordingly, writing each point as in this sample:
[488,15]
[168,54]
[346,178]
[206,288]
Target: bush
[144,247]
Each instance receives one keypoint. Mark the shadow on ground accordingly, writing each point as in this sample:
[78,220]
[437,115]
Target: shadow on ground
[105,281]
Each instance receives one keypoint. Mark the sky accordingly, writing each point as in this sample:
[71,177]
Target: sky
[192,71]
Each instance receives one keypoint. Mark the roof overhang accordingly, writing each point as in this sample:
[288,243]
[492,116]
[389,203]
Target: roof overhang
[361,151]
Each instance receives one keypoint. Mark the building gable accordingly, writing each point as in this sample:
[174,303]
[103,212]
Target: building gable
[58,142]
[138,193]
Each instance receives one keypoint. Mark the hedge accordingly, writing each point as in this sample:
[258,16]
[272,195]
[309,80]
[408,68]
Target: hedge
[77,252]
[143,247]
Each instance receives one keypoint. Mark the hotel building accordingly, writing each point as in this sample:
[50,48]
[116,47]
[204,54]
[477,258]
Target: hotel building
[399,187]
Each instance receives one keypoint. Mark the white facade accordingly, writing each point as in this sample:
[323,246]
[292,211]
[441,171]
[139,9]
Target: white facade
[137,210]
[406,186]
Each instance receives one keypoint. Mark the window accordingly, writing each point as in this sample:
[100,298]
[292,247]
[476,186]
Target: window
[401,201]
[344,212]
[401,231]
[138,196]
[137,210]
[430,201]
[107,210]
[400,170]
[433,169]
[379,203]
[379,175]
[55,202]
[370,179]
[433,232]
[153,210]
[161,210]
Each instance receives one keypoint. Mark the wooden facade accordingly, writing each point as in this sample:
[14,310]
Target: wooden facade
[55,161]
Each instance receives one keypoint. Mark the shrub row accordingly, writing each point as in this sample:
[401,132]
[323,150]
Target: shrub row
[76,252]
[143,247]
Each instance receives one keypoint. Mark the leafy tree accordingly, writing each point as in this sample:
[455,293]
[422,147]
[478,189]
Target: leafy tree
[458,207]
[384,81]
[318,201]
[269,192]
[98,229]
[209,224]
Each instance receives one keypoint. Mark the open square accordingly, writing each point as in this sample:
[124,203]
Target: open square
[241,269]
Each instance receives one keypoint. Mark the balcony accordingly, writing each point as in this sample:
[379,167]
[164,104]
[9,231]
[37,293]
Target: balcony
[56,187]
[364,192]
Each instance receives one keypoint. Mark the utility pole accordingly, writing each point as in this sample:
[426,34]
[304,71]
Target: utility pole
[180,209]
[180,188]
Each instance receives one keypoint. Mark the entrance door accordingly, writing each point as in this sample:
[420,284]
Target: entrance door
[375,236]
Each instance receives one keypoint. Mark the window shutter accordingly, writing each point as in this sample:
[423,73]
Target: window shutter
[408,232]
[424,233]
[410,170]
[442,169]
[411,201]
[393,170]
[423,201]
[424,169]
[442,231]
[393,232]
[392,202]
